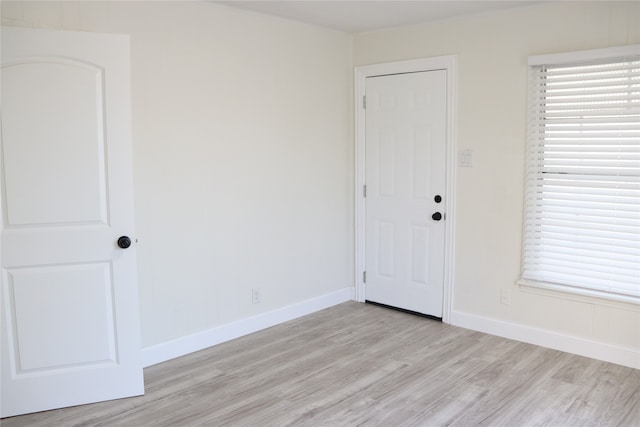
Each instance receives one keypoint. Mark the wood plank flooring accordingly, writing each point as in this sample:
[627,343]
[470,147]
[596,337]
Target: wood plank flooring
[362,365]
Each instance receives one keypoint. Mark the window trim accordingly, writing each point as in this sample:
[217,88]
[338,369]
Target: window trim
[584,55]
[528,283]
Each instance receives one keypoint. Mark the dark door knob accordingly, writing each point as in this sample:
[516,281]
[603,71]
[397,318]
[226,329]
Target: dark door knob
[438,198]
[436,216]
[124,242]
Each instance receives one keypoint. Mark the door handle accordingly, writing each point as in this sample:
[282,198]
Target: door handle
[124,242]
[436,216]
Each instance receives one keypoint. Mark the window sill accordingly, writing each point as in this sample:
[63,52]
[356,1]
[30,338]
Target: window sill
[577,294]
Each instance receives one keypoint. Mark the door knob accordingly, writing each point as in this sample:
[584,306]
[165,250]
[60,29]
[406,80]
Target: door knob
[436,216]
[124,242]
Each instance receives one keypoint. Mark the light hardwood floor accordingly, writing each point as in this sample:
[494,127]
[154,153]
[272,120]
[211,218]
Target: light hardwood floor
[363,365]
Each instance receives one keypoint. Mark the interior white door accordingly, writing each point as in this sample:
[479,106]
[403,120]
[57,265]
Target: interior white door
[69,298]
[405,184]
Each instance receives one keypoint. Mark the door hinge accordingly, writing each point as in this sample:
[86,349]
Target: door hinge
[364,102]
[364,277]
[364,190]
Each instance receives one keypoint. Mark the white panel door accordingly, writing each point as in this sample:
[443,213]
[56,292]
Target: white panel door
[69,298]
[405,183]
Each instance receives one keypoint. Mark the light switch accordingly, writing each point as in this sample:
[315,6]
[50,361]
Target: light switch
[465,158]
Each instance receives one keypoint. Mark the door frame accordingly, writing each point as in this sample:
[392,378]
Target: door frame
[449,64]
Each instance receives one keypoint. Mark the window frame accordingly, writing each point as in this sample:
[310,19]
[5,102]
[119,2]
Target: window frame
[579,58]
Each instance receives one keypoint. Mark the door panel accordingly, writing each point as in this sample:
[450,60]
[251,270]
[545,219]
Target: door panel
[385,248]
[68,294]
[57,101]
[45,316]
[419,253]
[405,170]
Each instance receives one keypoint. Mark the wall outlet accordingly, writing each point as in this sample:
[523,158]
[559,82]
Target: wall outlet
[505,296]
[256,296]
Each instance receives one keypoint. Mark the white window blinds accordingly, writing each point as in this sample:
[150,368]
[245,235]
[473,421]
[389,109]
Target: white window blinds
[582,214]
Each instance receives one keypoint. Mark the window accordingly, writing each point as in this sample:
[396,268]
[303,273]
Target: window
[582,213]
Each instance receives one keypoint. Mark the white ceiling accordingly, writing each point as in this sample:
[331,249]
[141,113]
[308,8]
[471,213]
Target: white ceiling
[364,15]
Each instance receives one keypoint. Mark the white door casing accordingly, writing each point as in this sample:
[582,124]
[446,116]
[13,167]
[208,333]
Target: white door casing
[68,294]
[378,230]
[405,174]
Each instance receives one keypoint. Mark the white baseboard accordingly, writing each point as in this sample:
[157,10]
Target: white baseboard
[594,349]
[181,346]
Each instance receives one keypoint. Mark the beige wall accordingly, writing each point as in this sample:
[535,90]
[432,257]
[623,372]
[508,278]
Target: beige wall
[242,156]
[492,52]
